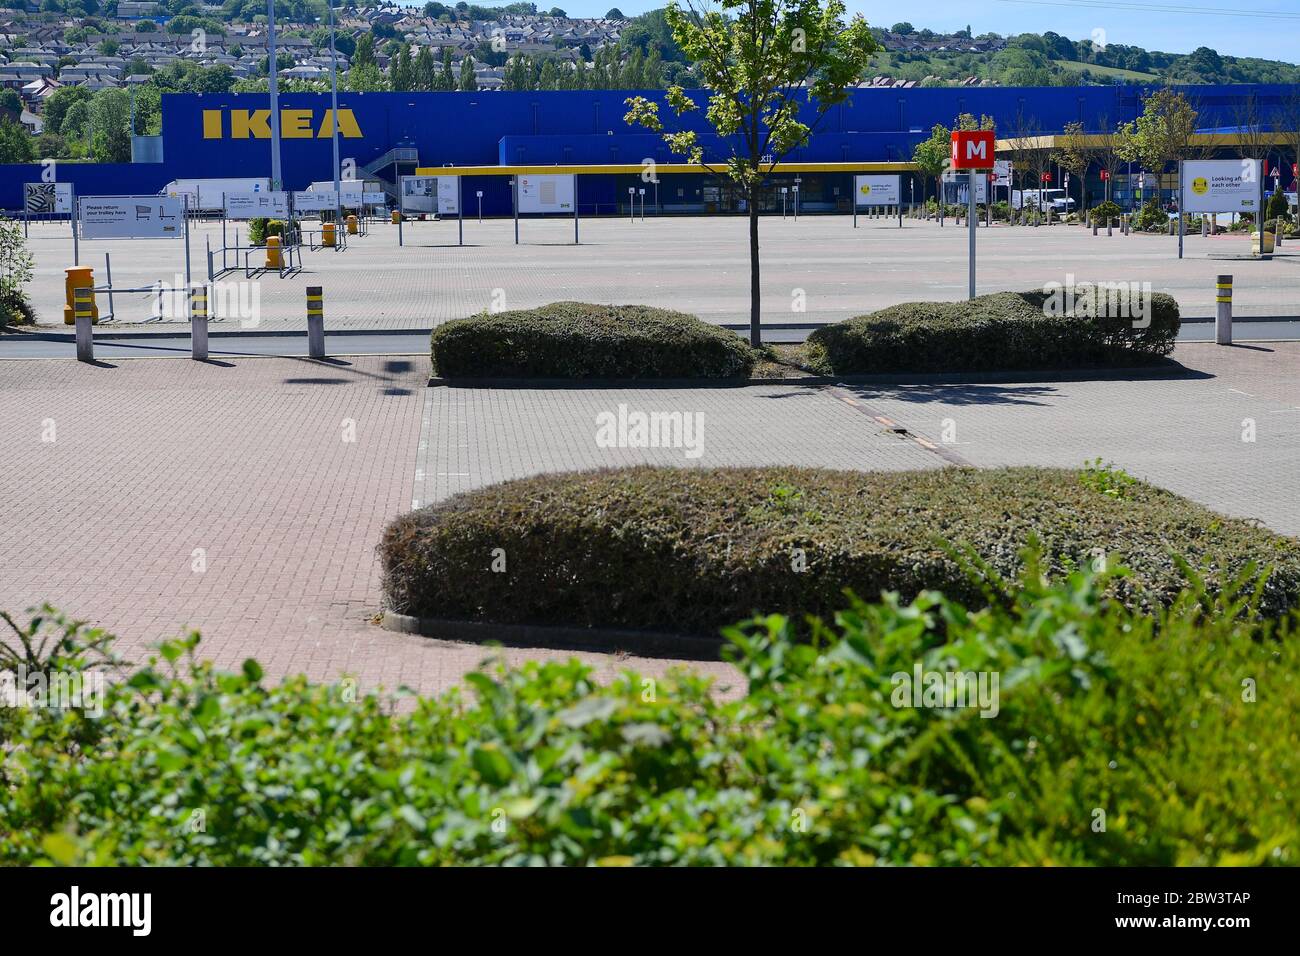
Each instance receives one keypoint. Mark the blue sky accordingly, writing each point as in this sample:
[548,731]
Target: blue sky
[1175,26]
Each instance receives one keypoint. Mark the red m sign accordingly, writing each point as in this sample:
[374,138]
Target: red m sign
[972,149]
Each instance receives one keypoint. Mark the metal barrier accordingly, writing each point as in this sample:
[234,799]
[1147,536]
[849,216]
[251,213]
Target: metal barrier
[290,260]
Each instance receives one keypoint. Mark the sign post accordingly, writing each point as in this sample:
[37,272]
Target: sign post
[972,150]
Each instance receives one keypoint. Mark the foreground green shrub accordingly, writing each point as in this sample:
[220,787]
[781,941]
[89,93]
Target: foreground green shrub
[580,340]
[1002,332]
[690,550]
[1110,738]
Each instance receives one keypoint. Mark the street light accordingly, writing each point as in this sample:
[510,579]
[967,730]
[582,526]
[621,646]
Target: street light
[272,68]
[334,117]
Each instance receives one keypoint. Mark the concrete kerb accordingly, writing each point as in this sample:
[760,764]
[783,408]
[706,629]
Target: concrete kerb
[604,640]
[1165,368]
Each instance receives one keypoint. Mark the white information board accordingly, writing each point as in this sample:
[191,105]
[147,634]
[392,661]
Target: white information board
[374,199]
[878,190]
[254,205]
[448,195]
[550,193]
[1002,172]
[131,217]
[1221,185]
[39,198]
[961,177]
[309,201]
[418,194]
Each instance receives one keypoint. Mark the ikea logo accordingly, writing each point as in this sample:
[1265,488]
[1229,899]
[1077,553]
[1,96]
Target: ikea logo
[294,124]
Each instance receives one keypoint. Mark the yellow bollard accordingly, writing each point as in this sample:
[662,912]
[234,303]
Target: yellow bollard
[397,217]
[274,260]
[327,234]
[78,277]
[352,225]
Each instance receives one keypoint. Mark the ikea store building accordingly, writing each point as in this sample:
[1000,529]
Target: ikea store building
[391,134]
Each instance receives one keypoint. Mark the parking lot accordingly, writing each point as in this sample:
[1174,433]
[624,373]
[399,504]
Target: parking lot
[814,270]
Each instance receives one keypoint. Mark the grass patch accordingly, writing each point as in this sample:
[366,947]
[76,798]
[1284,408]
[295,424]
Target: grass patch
[691,550]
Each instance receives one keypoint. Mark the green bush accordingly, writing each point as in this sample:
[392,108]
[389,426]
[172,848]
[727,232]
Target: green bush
[1000,332]
[690,550]
[1152,217]
[1107,211]
[580,340]
[1149,725]
[1278,207]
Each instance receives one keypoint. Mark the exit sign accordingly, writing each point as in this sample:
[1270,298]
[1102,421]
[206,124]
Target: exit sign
[972,149]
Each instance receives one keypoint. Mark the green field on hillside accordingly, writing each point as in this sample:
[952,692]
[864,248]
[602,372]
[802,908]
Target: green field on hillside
[1075,67]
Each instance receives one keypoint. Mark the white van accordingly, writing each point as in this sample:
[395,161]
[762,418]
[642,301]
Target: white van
[1054,199]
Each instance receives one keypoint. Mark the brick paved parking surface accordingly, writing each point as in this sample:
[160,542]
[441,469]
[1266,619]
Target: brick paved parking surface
[229,498]
[1186,434]
[245,497]
[816,269]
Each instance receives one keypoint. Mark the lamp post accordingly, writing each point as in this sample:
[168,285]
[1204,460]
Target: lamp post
[334,117]
[272,69]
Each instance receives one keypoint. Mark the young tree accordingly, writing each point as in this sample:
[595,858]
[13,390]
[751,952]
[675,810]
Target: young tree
[1074,155]
[762,59]
[931,157]
[1162,133]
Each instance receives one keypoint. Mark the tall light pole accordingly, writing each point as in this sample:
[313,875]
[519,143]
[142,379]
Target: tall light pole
[272,69]
[334,116]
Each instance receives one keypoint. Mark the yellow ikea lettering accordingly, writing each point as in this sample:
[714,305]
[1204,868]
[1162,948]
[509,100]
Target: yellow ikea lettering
[348,127]
[244,123]
[212,124]
[295,124]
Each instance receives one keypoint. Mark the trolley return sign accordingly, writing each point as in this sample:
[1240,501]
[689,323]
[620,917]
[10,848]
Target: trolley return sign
[877,190]
[131,217]
[315,201]
[1221,185]
[256,205]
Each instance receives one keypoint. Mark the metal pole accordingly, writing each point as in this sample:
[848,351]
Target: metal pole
[272,88]
[1180,209]
[108,277]
[76,248]
[970,222]
[185,214]
[575,209]
[514,201]
[334,115]
[460,210]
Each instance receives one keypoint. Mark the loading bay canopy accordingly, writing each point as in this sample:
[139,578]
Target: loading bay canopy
[666,169]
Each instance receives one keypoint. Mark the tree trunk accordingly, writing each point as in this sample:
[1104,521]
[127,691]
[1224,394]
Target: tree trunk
[755,291]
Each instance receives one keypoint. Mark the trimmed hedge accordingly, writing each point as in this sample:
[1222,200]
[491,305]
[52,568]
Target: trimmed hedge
[581,340]
[1000,332]
[690,550]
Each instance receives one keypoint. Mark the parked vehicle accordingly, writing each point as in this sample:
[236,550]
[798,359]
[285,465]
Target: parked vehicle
[208,195]
[1055,199]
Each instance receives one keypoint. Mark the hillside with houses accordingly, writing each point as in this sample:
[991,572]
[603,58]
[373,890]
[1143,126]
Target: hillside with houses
[79,77]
